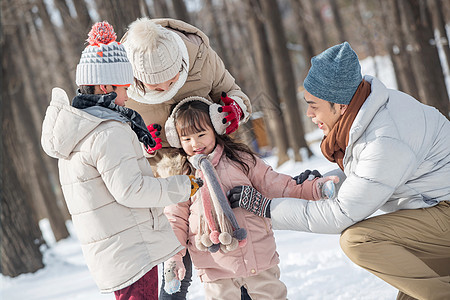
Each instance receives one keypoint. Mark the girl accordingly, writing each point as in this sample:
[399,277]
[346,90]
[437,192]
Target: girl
[171,60]
[254,262]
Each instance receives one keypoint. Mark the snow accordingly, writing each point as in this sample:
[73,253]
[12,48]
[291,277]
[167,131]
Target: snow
[312,265]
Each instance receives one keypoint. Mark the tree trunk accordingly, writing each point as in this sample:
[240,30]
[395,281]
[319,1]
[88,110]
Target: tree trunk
[360,9]
[305,38]
[285,77]
[342,35]
[406,78]
[144,9]
[425,59]
[389,44]
[20,234]
[161,9]
[440,35]
[445,7]
[118,13]
[180,10]
[319,28]
[83,18]
[216,34]
[28,118]
[54,45]
[19,230]
[72,33]
[267,99]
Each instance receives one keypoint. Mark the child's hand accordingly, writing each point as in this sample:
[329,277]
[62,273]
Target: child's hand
[155,131]
[174,272]
[249,198]
[324,188]
[234,113]
[306,175]
[196,183]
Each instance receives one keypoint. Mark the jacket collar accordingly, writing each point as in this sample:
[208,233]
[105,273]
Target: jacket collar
[378,97]
[214,157]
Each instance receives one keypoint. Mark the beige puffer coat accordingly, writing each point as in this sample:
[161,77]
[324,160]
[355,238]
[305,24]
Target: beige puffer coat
[207,78]
[115,202]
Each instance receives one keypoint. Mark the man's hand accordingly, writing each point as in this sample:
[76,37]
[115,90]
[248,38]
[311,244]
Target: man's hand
[250,199]
[155,131]
[234,113]
[307,174]
[324,188]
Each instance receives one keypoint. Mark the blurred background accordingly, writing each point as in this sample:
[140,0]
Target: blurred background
[265,44]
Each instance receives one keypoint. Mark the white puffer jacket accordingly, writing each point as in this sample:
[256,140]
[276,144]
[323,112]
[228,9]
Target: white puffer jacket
[398,157]
[115,202]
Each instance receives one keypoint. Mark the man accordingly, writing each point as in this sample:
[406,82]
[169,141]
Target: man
[395,153]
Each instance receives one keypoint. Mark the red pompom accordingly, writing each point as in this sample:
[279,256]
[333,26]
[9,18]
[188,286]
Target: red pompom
[101,32]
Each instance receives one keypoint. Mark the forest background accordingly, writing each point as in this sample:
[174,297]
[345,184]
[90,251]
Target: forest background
[265,44]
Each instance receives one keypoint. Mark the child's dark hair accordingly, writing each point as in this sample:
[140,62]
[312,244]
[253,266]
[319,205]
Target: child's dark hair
[90,89]
[193,117]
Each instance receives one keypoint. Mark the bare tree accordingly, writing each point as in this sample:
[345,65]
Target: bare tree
[119,13]
[425,60]
[397,48]
[19,231]
[360,11]
[304,36]
[445,6]
[161,9]
[318,24]
[59,61]
[342,35]
[216,34]
[181,11]
[440,36]
[268,98]
[28,117]
[285,77]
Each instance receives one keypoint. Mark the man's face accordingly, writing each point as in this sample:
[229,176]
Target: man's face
[322,113]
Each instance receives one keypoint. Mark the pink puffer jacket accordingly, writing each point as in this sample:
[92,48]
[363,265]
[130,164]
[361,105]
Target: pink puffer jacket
[259,253]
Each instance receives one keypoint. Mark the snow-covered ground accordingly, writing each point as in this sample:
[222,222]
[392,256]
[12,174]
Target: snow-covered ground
[312,265]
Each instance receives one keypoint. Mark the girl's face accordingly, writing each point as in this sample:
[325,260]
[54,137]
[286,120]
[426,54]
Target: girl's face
[163,86]
[202,142]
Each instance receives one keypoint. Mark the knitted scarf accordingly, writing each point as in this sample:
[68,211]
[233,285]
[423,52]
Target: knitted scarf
[334,144]
[218,226]
[82,101]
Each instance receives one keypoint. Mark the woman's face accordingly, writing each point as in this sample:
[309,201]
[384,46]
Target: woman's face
[202,142]
[163,86]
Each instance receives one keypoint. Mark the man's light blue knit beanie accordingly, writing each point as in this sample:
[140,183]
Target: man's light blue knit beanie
[335,74]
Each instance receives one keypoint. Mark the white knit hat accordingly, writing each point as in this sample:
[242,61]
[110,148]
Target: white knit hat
[214,114]
[104,61]
[153,51]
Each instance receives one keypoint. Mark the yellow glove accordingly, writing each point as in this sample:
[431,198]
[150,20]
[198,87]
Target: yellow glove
[196,183]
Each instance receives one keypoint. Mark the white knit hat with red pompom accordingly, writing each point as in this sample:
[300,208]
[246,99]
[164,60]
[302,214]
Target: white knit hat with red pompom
[104,61]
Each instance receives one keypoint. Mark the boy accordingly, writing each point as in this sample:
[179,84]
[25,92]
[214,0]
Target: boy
[115,202]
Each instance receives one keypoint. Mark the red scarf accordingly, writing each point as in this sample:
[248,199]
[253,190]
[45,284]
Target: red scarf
[334,144]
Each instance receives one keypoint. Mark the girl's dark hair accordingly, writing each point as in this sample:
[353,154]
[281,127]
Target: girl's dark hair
[140,85]
[193,117]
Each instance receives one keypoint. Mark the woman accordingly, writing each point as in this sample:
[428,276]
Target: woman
[173,60]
